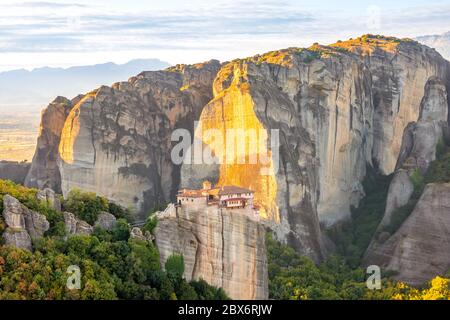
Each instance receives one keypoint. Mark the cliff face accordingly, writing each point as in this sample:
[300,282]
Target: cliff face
[418,251]
[226,248]
[44,171]
[419,143]
[337,109]
[116,140]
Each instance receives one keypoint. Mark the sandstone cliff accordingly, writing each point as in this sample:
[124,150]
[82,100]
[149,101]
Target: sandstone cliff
[419,250]
[338,109]
[116,140]
[224,247]
[419,143]
[44,172]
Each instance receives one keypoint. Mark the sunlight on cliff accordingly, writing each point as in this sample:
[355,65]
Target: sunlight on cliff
[367,44]
[233,108]
[70,132]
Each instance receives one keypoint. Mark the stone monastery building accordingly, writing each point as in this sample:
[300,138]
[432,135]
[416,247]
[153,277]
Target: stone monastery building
[228,197]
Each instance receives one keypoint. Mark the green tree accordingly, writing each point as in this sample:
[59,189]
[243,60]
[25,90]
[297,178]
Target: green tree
[86,205]
[175,265]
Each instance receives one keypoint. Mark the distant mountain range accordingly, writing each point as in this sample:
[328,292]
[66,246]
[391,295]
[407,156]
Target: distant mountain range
[24,90]
[440,42]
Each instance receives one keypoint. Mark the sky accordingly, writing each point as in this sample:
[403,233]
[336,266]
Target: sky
[65,33]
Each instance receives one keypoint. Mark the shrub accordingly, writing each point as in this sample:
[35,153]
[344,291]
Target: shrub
[150,224]
[417,180]
[86,205]
[175,265]
[121,231]
[119,212]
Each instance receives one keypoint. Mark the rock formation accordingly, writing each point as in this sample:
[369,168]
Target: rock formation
[106,221]
[75,225]
[44,172]
[338,109]
[137,234]
[224,247]
[419,250]
[116,140]
[49,196]
[418,150]
[23,224]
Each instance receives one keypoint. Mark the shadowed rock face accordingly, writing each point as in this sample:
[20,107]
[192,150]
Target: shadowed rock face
[418,251]
[418,146]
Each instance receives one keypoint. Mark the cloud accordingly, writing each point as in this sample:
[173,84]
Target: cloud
[226,29]
[44,4]
[88,26]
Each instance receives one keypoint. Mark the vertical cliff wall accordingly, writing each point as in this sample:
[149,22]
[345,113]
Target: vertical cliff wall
[115,140]
[337,109]
[224,247]
[418,251]
[44,171]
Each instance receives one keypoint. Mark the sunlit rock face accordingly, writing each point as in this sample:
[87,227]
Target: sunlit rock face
[338,109]
[44,171]
[116,140]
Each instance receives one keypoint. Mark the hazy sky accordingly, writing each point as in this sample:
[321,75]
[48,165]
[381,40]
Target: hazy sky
[77,32]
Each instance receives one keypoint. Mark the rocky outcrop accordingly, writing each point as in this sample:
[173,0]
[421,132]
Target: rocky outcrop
[75,225]
[49,196]
[226,248]
[44,172]
[14,171]
[106,220]
[137,234]
[419,250]
[337,109]
[23,224]
[116,140]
